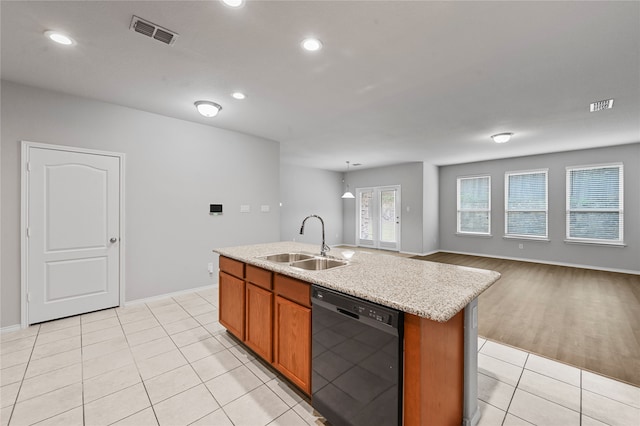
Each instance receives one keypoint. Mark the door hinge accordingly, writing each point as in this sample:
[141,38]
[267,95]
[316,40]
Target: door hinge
[28,166]
[28,232]
[28,297]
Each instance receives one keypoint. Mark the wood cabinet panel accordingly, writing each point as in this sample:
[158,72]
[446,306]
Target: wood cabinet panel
[433,370]
[292,289]
[259,330]
[231,267]
[292,343]
[232,303]
[260,277]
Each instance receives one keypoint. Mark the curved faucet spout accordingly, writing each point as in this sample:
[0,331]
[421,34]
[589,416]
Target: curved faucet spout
[323,248]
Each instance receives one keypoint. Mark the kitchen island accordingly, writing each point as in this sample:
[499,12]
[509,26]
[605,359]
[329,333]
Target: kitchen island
[266,305]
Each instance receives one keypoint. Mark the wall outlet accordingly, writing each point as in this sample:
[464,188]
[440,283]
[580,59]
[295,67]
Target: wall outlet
[520,246]
[210,267]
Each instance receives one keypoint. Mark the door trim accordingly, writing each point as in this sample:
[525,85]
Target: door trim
[24,196]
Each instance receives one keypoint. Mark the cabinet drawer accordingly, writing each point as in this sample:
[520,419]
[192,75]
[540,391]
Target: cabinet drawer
[232,267]
[258,276]
[292,289]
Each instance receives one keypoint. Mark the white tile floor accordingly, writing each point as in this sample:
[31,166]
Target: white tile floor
[170,362]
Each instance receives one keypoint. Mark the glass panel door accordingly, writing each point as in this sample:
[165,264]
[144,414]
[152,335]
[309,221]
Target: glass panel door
[378,217]
[389,219]
[366,217]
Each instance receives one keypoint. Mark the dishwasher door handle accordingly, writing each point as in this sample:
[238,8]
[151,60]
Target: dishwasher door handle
[347,313]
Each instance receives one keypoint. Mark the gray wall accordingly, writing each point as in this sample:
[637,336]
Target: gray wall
[305,191]
[430,209]
[174,170]
[556,250]
[410,177]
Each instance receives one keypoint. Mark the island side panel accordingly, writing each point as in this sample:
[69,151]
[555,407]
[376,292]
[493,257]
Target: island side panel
[433,371]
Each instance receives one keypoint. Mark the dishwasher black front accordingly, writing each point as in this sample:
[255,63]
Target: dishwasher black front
[357,360]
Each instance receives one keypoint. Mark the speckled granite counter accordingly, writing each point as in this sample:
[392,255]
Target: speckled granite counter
[430,290]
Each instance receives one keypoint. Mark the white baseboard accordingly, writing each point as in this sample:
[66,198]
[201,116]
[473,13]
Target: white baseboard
[10,328]
[164,296]
[420,254]
[547,262]
[17,327]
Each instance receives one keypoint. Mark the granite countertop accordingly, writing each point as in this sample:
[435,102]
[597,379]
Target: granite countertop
[436,291]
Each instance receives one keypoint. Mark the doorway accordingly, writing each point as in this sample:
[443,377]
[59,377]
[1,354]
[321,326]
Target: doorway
[72,223]
[378,217]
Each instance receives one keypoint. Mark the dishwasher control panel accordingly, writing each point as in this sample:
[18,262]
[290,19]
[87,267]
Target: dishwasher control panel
[361,308]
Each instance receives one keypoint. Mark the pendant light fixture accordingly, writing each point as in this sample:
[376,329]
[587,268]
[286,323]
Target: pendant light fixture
[347,193]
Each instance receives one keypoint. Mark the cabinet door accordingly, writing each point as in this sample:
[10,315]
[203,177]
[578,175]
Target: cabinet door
[231,300]
[259,315]
[292,344]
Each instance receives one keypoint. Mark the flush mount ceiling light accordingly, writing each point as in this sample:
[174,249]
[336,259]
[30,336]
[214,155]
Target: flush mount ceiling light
[347,193]
[238,95]
[208,108]
[311,44]
[233,3]
[502,137]
[59,37]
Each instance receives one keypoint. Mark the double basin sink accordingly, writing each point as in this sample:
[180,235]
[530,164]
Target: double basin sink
[306,261]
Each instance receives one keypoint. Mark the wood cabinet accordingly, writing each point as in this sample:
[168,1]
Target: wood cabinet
[292,324]
[271,314]
[231,293]
[259,313]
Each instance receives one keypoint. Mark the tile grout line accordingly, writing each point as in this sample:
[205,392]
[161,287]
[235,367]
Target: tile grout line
[135,362]
[506,413]
[15,402]
[84,419]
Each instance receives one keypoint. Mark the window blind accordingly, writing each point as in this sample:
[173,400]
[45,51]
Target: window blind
[526,204]
[595,203]
[474,205]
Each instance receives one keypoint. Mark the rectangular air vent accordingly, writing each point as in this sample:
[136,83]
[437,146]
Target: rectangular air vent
[601,105]
[152,30]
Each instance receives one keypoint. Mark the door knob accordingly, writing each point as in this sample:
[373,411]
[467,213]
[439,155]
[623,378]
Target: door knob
[113,240]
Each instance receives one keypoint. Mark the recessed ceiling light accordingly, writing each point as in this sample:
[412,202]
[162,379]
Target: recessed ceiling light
[233,3]
[238,95]
[208,108]
[311,44]
[502,137]
[59,37]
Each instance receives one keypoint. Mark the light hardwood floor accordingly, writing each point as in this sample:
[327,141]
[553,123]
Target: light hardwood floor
[586,318]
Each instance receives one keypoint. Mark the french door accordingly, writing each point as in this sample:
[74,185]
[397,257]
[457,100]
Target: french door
[378,217]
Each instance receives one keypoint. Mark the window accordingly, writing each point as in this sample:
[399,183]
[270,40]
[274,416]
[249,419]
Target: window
[525,201]
[595,204]
[474,205]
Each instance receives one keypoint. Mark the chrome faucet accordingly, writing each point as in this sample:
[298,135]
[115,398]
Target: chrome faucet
[323,248]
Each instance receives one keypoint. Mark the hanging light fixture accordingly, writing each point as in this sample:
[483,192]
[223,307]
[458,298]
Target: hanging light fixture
[347,193]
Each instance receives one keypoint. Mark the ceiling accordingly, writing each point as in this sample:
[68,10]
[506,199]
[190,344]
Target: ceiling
[396,81]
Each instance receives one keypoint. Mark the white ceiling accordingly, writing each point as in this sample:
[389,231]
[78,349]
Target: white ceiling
[397,81]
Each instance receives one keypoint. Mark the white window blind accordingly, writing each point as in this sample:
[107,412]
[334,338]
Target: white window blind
[474,205]
[526,208]
[595,204]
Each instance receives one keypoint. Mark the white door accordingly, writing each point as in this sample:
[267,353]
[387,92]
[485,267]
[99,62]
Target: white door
[378,217]
[73,232]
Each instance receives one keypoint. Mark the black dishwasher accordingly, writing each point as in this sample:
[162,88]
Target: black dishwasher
[357,360]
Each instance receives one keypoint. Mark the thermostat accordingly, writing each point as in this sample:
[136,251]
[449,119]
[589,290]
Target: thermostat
[215,209]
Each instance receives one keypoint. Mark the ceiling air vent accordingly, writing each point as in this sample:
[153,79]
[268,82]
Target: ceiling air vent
[601,105]
[152,30]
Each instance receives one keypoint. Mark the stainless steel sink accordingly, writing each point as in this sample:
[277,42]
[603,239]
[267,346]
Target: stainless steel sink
[287,257]
[318,264]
